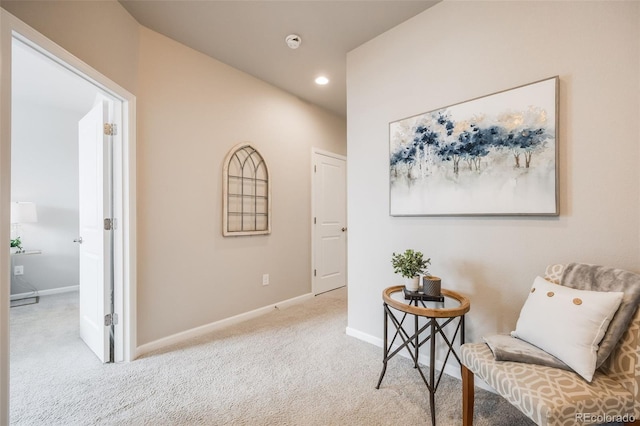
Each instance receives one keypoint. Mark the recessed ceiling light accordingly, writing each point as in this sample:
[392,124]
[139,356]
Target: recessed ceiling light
[322,80]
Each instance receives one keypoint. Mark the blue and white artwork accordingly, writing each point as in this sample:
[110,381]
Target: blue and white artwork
[494,155]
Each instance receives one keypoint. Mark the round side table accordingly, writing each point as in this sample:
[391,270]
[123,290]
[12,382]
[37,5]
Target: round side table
[439,312]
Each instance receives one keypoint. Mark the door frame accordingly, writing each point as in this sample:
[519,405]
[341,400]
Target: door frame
[314,152]
[124,191]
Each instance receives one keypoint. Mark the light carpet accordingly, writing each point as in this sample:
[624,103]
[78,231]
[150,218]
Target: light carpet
[293,366]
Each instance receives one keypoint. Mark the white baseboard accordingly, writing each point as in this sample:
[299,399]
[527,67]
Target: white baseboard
[46,292]
[208,328]
[451,369]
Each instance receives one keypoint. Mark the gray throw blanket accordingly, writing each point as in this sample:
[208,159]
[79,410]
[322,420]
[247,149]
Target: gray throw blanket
[507,348]
[600,278]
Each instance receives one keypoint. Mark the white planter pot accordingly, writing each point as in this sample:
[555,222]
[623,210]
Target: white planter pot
[412,284]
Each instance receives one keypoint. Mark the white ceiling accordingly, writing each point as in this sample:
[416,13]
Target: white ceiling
[250,36]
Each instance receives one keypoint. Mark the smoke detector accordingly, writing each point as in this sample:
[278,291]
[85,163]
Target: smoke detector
[293,41]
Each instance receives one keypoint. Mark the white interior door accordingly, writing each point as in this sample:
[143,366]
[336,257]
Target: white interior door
[330,222]
[95,243]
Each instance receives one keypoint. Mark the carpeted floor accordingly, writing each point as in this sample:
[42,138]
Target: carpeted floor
[294,366]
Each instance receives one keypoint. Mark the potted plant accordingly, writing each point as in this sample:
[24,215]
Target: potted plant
[410,265]
[16,243]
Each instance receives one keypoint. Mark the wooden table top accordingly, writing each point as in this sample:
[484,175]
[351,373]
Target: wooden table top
[457,311]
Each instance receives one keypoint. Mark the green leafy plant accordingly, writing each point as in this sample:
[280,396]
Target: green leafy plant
[16,243]
[410,263]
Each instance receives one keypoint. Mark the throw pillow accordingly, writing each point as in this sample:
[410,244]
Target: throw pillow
[567,323]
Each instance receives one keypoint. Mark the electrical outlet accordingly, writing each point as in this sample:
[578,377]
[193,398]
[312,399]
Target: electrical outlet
[265,279]
[18,270]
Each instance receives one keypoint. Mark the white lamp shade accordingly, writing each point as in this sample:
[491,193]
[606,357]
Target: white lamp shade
[23,212]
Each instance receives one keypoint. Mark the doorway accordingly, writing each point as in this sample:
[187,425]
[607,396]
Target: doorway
[123,188]
[329,222]
[63,165]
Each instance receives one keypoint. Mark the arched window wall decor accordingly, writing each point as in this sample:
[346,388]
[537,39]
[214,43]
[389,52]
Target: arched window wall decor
[246,193]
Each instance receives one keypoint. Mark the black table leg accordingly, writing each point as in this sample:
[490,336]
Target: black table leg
[385,349]
[432,372]
[417,339]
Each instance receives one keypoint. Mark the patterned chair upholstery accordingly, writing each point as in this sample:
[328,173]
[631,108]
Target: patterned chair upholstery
[551,396]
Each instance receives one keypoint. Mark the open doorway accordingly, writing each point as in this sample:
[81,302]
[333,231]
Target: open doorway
[58,160]
[123,189]
[60,171]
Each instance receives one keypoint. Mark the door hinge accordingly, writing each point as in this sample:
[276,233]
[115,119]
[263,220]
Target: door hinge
[315,169]
[314,220]
[110,129]
[314,272]
[108,224]
[110,319]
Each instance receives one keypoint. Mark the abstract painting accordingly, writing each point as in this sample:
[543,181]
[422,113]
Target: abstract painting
[493,155]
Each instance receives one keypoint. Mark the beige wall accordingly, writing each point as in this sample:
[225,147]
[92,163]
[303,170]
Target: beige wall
[457,51]
[191,110]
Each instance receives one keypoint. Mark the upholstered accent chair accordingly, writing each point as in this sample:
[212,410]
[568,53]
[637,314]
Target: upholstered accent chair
[552,395]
